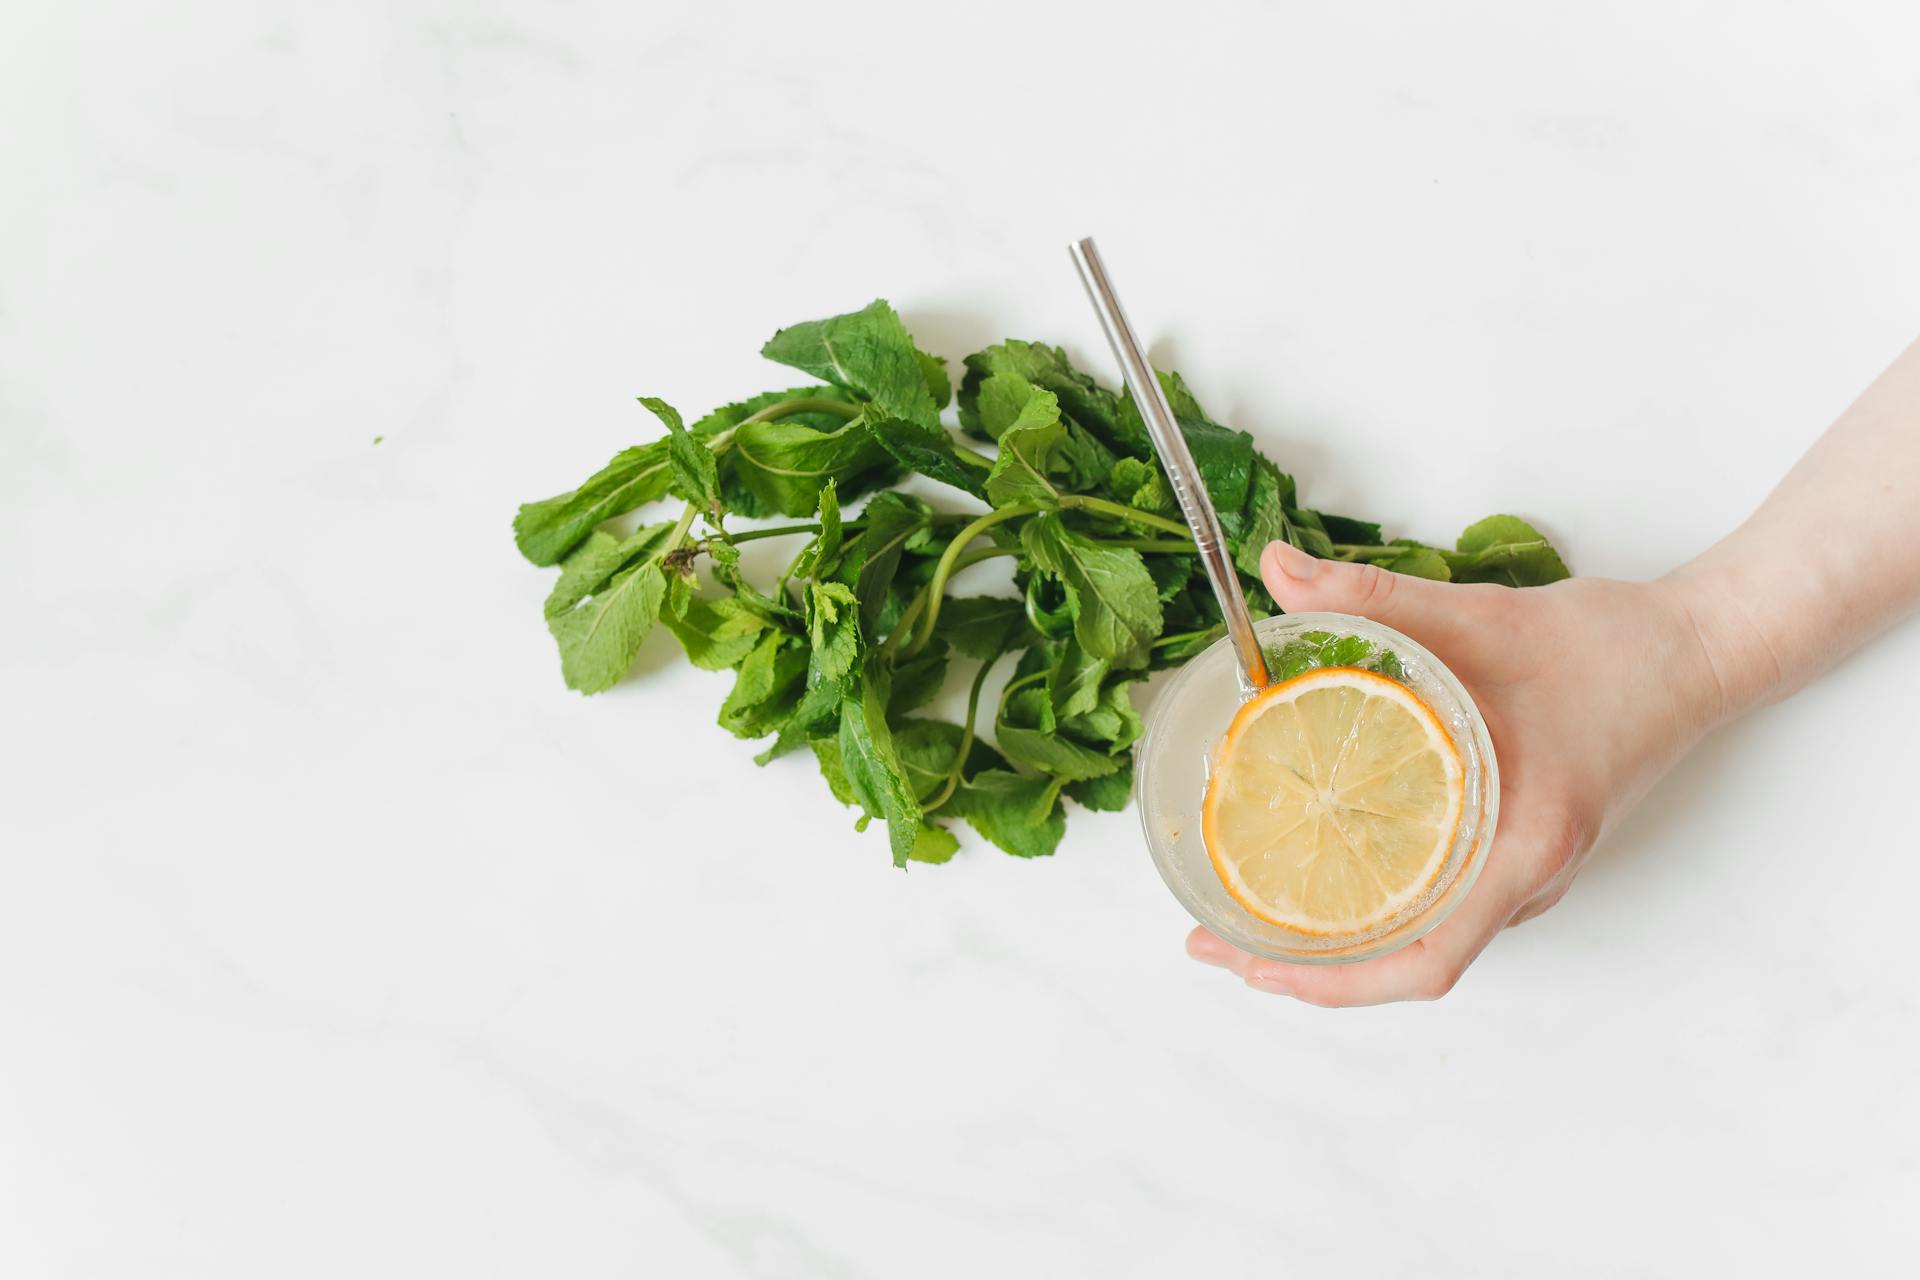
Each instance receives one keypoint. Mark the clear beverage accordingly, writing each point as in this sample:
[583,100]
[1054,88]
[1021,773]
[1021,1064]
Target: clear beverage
[1184,730]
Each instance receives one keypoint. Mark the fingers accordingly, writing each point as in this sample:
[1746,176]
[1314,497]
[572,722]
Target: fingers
[1433,612]
[1423,970]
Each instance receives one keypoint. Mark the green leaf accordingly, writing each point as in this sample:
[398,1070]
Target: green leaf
[867,352]
[1081,399]
[779,466]
[1020,737]
[547,530]
[834,626]
[1073,683]
[732,415]
[1030,445]
[1266,519]
[826,551]
[816,716]
[933,844]
[1109,794]
[929,455]
[926,748]
[834,769]
[1506,550]
[1417,561]
[767,688]
[1020,814]
[1225,460]
[1347,651]
[891,524]
[726,570]
[1312,650]
[600,636]
[1350,532]
[696,476]
[597,559]
[918,680]
[1224,456]
[1111,721]
[716,633]
[934,370]
[984,627]
[1305,531]
[873,769]
[1142,485]
[1115,604]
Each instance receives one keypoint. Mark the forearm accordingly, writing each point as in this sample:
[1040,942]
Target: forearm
[1828,561]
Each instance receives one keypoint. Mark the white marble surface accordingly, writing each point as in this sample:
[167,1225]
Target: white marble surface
[337,939]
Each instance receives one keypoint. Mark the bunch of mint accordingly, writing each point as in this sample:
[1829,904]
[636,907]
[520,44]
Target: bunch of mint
[841,652]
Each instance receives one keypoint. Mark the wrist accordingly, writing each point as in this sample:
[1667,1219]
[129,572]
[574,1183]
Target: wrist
[1741,668]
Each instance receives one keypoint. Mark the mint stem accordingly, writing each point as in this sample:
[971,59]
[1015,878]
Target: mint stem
[966,739]
[1133,515]
[948,565]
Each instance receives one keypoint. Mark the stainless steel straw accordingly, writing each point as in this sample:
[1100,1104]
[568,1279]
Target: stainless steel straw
[1182,472]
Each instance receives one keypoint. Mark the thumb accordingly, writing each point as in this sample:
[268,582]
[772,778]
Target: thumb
[1433,612]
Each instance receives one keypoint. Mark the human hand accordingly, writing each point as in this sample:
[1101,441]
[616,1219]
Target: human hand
[1590,689]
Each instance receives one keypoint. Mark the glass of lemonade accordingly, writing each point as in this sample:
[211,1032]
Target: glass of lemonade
[1329,853]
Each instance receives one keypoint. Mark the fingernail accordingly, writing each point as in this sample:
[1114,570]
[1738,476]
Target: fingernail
[1272,986]
[1291,561]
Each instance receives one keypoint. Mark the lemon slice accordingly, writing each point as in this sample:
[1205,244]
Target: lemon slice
[1333,801]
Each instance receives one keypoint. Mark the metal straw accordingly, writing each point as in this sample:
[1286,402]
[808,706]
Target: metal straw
[1182,472]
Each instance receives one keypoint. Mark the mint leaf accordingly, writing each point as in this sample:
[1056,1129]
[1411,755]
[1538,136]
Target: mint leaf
[1418,561]
[926,749]
[732,415]
[1506,550]
[1020,814]
[929,455]
[917,680]
[826,544]
[1115,605]
[867,352]
[546,530]
[776,467]
[1108,794]
[1223,456]
[1351,532]
[1021,737]
[1087,403]
[1030,443]
[873,770]
[726,571]
[834,625]
[934,844]
[984,627]
[891,525]
[696,477]
[767,688]
[1305,531]
[600,636]
[715,633]
[1266,519]
[1073,683]
[596,560]
[934,370]
[834,768]
[817,715]
[1109,721]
